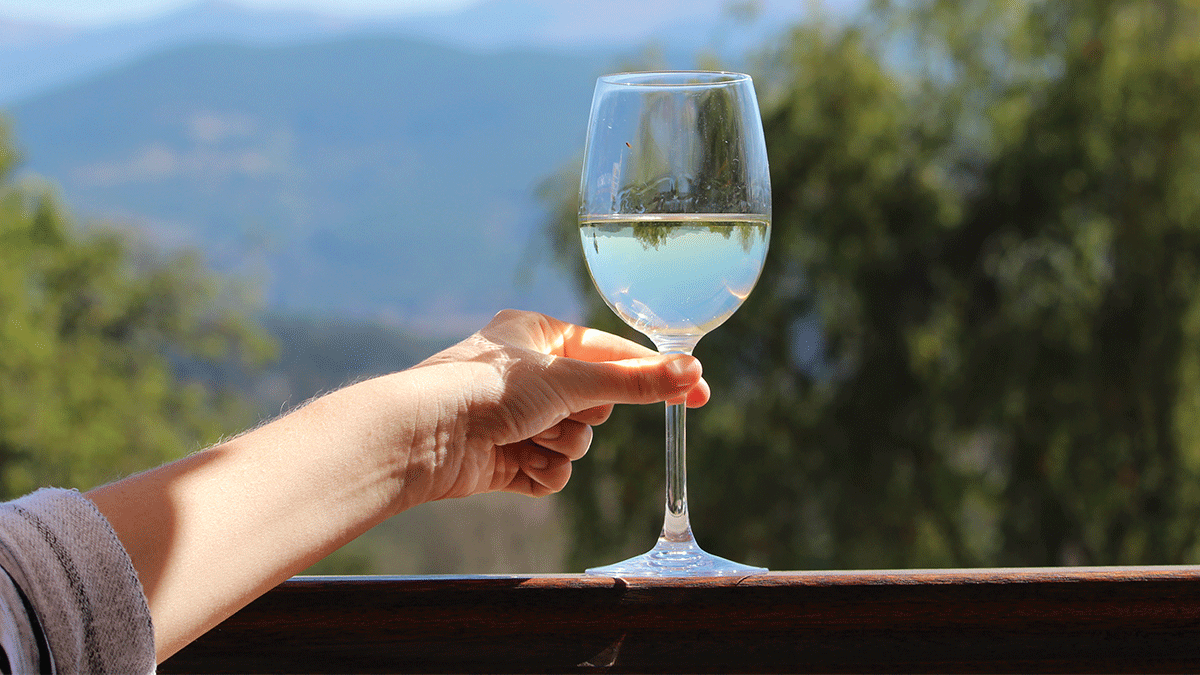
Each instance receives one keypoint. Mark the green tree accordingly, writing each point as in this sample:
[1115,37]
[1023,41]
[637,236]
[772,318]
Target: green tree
[93,331]
[976,338]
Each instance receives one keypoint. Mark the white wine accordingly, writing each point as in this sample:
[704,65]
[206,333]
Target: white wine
[675,277]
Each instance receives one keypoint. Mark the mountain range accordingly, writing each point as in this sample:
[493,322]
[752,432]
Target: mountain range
[383,168]
[364,175]
[37,56]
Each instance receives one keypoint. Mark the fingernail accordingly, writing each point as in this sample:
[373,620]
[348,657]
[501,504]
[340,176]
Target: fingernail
[684,368]
[538,461]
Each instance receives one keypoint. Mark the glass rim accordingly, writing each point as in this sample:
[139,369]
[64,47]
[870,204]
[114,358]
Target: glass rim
[675,78]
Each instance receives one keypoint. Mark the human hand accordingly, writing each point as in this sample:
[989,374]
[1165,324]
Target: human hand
[514,404]
[508,408]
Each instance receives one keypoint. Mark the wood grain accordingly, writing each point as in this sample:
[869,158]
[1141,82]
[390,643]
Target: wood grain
[1144,619]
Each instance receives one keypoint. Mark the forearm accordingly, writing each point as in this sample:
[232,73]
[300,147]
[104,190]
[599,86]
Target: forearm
[211,532]
[508,409]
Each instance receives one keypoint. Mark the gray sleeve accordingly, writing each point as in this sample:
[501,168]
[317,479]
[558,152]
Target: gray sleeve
[63,555]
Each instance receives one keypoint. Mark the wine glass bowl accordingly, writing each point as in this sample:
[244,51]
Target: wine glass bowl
[674,277]
[674,220]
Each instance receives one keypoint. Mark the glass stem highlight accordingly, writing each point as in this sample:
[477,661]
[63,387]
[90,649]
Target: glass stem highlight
[676,527]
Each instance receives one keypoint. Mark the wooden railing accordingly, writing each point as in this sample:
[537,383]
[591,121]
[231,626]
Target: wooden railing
[1144,619]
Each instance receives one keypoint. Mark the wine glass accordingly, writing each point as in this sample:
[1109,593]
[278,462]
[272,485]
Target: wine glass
[674,218]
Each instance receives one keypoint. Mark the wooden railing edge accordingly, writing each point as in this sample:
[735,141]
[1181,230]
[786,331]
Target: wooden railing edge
[1097,619]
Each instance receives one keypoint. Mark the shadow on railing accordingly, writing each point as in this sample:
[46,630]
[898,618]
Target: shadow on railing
[1119,619]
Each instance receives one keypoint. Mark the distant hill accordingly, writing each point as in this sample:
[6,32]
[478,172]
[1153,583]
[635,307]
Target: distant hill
[347,166]
[37,57]
[367,176]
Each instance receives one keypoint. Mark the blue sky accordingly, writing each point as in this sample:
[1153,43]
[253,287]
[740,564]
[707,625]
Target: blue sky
[106,11]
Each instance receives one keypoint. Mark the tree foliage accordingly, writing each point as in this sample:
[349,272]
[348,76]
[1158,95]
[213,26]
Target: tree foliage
[94,330]
[976,340]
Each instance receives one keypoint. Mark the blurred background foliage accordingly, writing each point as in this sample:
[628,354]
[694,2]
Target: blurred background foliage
[976,338]
[95,331]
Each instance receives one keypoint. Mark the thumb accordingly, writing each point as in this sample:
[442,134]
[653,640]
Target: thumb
[649,379]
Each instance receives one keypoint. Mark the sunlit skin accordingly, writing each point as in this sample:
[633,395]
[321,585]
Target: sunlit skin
[509,408]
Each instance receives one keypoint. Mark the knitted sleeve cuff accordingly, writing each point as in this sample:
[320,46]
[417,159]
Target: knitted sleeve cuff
[61,552]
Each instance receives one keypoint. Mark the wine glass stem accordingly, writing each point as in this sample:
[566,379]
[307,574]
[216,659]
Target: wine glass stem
[676,527]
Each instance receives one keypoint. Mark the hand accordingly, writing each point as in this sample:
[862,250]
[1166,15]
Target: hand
[516,402]
[508,408]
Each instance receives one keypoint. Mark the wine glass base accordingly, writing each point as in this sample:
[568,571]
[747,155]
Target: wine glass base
[676,559]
